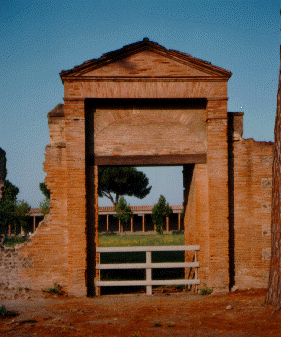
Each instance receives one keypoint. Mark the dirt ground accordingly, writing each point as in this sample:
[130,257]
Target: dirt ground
[240,313]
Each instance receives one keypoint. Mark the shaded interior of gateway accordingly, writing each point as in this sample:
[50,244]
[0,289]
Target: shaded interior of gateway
[187,160]
[147,103]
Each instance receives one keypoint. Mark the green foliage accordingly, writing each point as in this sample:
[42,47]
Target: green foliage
[45,204]
[206,290]
[124,212]
[13,241]
[56,289]
[159,213]
[7,205]
[12,211]
[5,313]
[44,190]
[122,181]
[10,191]
[22,209]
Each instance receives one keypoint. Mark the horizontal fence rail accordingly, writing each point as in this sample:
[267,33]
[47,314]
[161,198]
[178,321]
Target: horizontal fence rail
[148,266]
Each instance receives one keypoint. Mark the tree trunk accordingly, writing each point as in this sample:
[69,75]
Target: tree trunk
[273,295]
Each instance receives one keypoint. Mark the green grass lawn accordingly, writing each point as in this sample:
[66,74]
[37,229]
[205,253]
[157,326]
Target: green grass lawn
[106,240]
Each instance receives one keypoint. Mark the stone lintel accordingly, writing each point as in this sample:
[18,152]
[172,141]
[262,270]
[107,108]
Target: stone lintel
[172,159]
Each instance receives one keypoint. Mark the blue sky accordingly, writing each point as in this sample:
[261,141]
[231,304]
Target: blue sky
[38,39]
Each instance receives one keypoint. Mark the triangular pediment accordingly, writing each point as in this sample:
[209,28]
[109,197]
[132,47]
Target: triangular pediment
[146,59]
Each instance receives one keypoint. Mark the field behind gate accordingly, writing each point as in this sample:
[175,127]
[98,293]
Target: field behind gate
[139,257]
[109,240]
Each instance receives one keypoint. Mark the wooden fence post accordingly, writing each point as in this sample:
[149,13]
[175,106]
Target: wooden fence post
[148,273]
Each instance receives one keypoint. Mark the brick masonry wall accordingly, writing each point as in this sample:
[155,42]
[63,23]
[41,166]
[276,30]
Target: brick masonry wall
[48,248]
[252,212]
[217,165]
[196,218]
[76,196]
[206,214]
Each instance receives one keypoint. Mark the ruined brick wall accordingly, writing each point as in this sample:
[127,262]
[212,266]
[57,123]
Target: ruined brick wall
[252,212]
[48,249]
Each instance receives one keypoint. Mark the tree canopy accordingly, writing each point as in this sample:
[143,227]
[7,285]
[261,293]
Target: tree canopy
[21,212]
[45,204]
[7,205]
[123,212]
[119,181]
[10,191]
[159,213]
[44,190]
[12,211]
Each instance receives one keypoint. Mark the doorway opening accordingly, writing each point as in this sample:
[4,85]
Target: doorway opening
[150,134]
[167,181]
[163,180]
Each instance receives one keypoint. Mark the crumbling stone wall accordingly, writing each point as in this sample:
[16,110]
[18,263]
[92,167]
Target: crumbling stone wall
[11,262]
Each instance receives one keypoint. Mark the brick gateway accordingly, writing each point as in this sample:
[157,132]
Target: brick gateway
[146,105]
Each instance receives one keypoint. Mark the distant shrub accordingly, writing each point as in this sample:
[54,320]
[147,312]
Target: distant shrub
[205,290]
[14,240]
[57,289]
[5,313]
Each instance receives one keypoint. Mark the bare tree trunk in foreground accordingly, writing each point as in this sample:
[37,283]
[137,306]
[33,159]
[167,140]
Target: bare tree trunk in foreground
[273,295]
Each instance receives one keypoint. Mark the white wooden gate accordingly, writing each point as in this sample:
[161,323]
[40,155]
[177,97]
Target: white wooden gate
[148,265]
